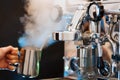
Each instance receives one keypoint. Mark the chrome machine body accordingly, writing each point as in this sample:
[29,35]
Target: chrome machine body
[89,63]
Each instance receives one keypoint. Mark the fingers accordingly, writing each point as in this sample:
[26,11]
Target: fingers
[107,51]
[7,49]
[13,57]
[22,52]
[13,61]
[4,51]
[14,51]
[12,68]
[10,56]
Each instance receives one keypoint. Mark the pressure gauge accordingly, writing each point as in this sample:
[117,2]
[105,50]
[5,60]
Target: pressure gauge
[56,13]
[95,11]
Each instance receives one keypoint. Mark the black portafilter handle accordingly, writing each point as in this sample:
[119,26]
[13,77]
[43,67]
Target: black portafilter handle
[103,67]
[116,57]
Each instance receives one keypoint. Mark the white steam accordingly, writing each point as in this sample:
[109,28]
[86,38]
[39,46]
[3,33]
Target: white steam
[38,24]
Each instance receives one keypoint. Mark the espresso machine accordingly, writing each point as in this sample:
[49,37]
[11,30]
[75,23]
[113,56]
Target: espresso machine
[88,64]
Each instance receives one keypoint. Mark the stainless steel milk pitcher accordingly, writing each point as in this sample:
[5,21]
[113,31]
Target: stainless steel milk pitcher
[31,63]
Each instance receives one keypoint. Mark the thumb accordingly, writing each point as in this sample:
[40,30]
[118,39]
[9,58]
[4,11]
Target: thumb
[7,49]
[4,50]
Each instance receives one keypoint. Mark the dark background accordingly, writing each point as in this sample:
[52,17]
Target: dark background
[11,29]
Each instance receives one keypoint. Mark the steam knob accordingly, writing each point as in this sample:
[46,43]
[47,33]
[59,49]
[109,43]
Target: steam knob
[95,11]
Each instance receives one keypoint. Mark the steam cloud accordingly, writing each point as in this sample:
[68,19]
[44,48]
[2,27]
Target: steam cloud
[38,24]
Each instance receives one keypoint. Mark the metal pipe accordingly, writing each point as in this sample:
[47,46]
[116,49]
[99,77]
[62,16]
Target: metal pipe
[103,2]
[119,36]
[116,12]
[119,52]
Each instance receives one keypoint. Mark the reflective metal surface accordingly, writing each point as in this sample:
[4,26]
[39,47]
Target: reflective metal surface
[30,65]
[88,62]
[95,30]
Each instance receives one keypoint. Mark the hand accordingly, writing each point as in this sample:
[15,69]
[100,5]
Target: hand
[107,52]
[8,55]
